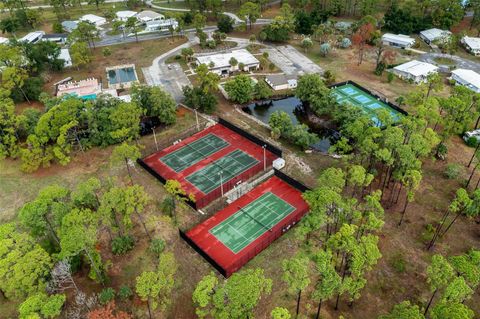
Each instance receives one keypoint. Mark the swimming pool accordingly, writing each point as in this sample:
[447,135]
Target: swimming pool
[123,75]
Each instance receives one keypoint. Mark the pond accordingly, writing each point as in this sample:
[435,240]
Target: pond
[262,110]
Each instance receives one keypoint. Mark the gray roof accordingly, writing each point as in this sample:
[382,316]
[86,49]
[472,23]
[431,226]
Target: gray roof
[69,25]
[279,79]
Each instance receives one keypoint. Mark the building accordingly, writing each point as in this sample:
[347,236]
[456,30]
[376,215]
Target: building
[472,45]
[65,55]
[415,71]
[398,40]
[148,15]
[33,37]
[468,78]
[60,38]
[220,63]
[69,26]
[4,40]
[161,25]
[93,19]
[434,35]
[281,82]
[125,15]
[86,89]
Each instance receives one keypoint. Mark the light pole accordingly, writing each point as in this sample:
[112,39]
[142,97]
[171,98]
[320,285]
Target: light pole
[221,182]
[264,158]
[155,138]
[196,118]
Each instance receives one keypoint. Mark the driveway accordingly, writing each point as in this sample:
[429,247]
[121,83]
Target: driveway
[461,63]
[291,61]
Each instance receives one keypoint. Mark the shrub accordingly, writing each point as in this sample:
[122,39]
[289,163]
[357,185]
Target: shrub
[346,43]
[453,170]
[390,77]
[157,246]
[106,52]
[329,77]
[106,295]
[442,151]
[125,292]
[397,262]
[122,244]
[57,27]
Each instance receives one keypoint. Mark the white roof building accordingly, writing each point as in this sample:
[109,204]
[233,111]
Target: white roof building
[94,19]
[434,34]
[69,26]
[124,15]
[148,15]
[33,37]
[415,71]
[220,63]
[468,78]
[281,81]
[472,44]
[161,25]
[65,55]
[398,40]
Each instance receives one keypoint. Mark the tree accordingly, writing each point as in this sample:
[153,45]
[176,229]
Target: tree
[225,24]
[262,90]
[125,121]
[234,298]
[177,194]
[148,289]
[296,275]
[329,281]
[155,102]
[240,89]
[14,78]
[132,25]
[278,30]
[325,49]
[187,53]
[199,21]
[233,62]
[250,12]
[411,180]
[108,312]
[24,265]
[439,274]
[361,38]
[208,80]
[307,43]
[312,90]
[86,194]
[9,25]
[8,128]
[445,310]
[125,153]
[404,310]
[86,32]
[280,313]
[457,291]
[197,99]
[80,54]
[41,305]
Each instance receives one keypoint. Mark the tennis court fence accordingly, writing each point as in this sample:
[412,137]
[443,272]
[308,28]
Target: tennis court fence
[375,95]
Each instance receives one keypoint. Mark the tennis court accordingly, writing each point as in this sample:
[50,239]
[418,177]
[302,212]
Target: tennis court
[349,93]
[221,171]
[194,152]
[251,221]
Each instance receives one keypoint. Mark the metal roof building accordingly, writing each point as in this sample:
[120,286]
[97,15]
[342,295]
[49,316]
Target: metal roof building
[96,20]
[415,71]
[398,40]
[468,78]
[220,62]
[148,15]
[435,34]
[124,15]
[33,37]
[472,44]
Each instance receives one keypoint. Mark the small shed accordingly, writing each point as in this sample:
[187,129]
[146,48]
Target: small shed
[281,82]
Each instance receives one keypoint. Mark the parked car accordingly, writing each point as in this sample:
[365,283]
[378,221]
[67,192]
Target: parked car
[468,136]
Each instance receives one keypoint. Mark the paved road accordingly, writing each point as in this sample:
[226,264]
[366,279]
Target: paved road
[291,61]
[461,63]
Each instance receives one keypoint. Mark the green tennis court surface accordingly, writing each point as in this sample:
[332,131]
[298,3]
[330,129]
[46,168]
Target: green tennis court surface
[231,165]
[348,93]
[250,222]
[194,152]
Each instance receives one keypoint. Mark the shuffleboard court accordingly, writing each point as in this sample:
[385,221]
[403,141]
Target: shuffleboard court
[208,178]
[194,152]
[348,93]
[251,221]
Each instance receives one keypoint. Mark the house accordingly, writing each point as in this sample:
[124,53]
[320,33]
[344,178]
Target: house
[148,15]
[4,40]
[472,45]
[69,26]
[415,71]
[33,37]
[281,82]
[161,25]
[125,15]
[398,40]
[434,35]
[468,78]
[86,89]
[65,55]
[220,63]
[60,38]
[93,19]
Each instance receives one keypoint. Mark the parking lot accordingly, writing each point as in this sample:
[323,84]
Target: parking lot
[292,62]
